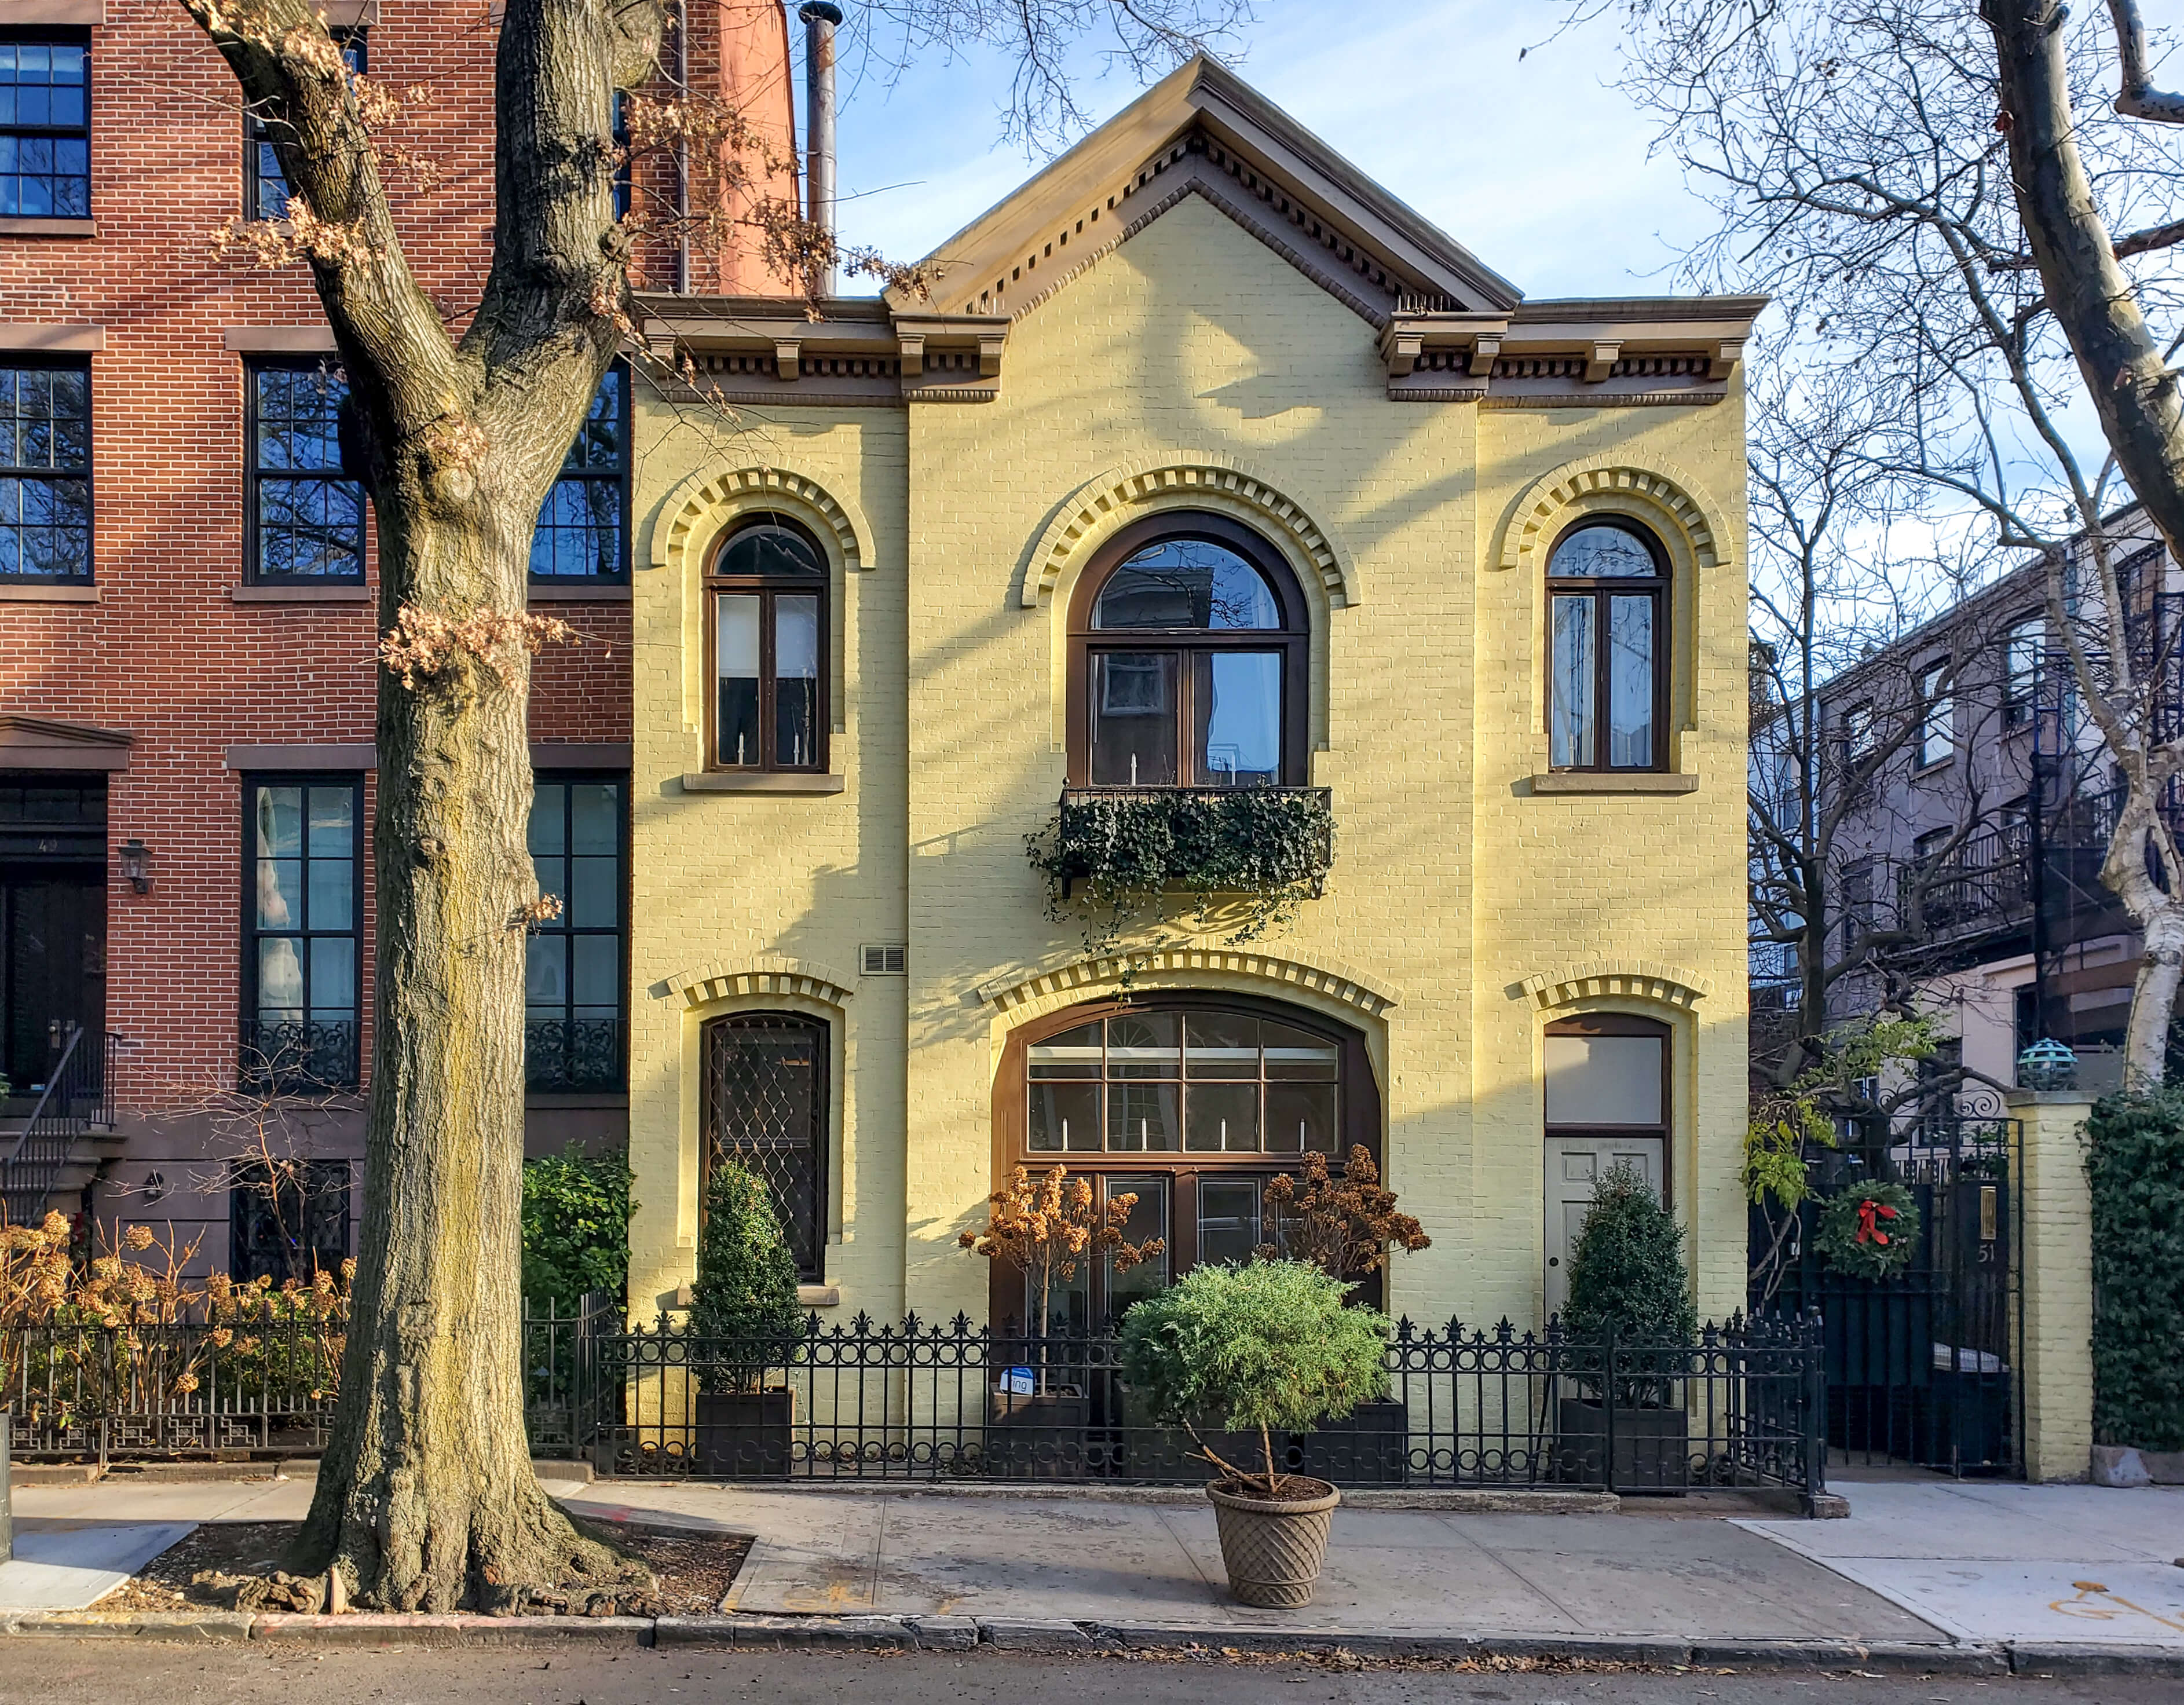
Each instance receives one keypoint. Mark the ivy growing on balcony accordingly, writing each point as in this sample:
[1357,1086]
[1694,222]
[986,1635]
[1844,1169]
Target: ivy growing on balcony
[1253,853]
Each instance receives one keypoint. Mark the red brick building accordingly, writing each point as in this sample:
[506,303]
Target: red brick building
[187,622]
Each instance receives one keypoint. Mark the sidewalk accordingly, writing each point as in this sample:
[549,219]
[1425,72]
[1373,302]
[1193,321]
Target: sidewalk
[1936,1567]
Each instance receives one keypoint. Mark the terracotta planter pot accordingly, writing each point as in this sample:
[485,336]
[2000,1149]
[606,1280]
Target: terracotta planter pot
[1273,1547]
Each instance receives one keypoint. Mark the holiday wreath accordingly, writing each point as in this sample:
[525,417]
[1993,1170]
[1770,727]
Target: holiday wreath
[1869,1231]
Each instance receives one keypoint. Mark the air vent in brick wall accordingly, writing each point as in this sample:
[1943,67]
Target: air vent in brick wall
[884,961]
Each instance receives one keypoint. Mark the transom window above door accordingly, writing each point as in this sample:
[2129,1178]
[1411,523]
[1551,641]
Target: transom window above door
[1188,661]
[766,640]
[1606,648]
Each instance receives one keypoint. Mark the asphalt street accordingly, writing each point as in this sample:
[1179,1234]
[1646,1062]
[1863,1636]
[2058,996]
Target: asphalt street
[45,1671]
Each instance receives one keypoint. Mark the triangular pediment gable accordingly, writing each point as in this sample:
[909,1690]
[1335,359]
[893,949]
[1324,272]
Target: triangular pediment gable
[1204,132]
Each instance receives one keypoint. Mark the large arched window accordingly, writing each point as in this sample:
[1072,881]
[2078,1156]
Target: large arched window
[1608,649]
[766,637]
[1191,1104]
[1188,661]
[763,1104]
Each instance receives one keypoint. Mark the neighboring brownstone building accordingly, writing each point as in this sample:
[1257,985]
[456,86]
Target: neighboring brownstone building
[187,620]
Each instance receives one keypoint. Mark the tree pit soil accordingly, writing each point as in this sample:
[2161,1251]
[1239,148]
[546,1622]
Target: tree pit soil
[694,1570]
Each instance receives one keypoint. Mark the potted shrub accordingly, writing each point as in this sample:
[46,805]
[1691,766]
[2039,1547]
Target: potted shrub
[1262,1349]
[744,1303]
[1038,1414]
[1347,1226]
[1628,1294]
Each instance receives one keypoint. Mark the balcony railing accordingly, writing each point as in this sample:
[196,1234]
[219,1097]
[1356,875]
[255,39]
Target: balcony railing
[1987,877]
[294,1056]
[573,1055]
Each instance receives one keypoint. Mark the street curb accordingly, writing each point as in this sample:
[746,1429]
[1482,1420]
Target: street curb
[2093,1657]
[185,1626]
[369,1629]
[1914,1658]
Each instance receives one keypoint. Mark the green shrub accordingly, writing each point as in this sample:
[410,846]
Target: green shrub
[746,1283]
[1269,1346]
[1627,1279]
[2135,1164]
[576,1226]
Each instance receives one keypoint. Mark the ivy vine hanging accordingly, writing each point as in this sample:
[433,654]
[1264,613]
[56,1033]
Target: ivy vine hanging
[1869,1231]
[1120,855]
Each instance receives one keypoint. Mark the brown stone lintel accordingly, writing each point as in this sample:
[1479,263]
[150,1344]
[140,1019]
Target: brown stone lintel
[761,782]
[349,593]
[279,340]
[328,757]
[575,591]
[59,340]
[32,592]
[1614,781]
[580,755]
[68,14]
[38,743]
[48,227]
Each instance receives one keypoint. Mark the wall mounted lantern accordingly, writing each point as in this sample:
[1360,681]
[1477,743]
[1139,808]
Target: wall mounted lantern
[137,864]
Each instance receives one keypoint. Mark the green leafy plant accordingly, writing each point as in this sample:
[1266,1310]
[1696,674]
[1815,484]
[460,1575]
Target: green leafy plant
[1628,1284]
[745,1290]
[1121,852]
[1868,1231]
[2135,1166]
[576,1226]
[1269,1346]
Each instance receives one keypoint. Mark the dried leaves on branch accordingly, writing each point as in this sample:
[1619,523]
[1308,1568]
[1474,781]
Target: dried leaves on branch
[1047,1227]
[1347,1226]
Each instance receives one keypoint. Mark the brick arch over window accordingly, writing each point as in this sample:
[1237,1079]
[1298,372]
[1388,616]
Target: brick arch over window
[1635,979]
[706,503]
[756,979]
[1205,481]
[1660,493]
[1024,994]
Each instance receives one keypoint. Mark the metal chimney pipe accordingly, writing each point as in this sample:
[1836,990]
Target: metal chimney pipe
[820,17]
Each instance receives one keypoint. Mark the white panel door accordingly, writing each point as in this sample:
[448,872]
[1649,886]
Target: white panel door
[1574,1165]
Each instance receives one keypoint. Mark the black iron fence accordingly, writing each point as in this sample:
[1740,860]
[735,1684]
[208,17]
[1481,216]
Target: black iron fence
[921,1402]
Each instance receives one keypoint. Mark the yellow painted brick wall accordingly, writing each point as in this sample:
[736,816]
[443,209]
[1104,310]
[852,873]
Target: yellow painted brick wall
[1454,883]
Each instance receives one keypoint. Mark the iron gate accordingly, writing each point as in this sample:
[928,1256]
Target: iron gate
[1922,1368]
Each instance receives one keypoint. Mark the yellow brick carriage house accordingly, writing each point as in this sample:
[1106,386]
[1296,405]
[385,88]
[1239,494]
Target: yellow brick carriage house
[1206,465]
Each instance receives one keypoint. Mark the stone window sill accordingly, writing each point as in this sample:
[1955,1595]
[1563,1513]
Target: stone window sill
[573,591]
[818,1295]
[35,592]
[1614,781]
[761,782]
[48,227]
[350,594]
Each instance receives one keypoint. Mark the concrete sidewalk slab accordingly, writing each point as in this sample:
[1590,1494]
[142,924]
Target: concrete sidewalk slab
[208,1501]
[70,1565]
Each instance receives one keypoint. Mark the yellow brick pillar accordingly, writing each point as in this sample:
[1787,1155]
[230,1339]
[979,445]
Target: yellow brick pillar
[2055,1273]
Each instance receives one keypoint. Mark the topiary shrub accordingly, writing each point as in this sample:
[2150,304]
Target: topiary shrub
[576,1227]
[745,1290]
[1269,1346]
[1627,1286]
[2135,1166]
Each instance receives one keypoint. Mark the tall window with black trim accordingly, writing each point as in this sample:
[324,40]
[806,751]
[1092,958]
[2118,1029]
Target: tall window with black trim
[264,185]
[304,517]
[585,519]
[45,472]
[301,935]
[45,123]
[574,1023]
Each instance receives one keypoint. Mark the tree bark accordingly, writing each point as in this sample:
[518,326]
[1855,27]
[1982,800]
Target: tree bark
[425,1500]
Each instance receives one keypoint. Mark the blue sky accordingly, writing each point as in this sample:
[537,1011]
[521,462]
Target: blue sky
[1538,165]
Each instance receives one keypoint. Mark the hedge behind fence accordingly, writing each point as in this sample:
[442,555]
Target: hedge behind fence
[2135,1164]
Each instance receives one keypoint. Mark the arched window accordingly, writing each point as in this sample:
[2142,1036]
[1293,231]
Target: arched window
[766,649]
[763,1106]
[1190,1103]
[1188,661]
[1608,612]
[1606,1106]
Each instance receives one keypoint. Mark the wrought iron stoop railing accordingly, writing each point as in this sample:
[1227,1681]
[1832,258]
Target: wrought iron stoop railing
[78,1096]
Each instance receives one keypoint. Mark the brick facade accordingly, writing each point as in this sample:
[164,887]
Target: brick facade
[169,645]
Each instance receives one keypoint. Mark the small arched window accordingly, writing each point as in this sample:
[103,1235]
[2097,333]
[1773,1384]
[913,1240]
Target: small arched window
[766,640]
[1608,583]
[1188,661]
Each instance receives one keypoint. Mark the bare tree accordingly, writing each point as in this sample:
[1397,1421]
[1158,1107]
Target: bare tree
[425,1500]
[1925,218]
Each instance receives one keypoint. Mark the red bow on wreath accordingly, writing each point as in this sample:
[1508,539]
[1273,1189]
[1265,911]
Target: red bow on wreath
[1869,1214]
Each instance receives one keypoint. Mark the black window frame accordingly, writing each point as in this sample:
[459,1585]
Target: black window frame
[565,930]
[54,35]
[327,1063]
[15,363]
[768,589]
[1602,589]
[584,476]
[805,1215]
[254,477]
[350,38]
[261,1199]
[2020,690]
[1938,717]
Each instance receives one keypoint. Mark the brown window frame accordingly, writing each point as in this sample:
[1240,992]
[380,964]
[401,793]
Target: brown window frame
[768,588]
[1292,640]
[1601,589]
[1623,1024]
[1358,1120]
